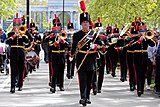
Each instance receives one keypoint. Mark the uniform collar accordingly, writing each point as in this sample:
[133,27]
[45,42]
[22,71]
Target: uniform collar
[85,30]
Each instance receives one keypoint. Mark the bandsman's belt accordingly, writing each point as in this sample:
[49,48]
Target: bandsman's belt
[17,46]
[136,51]
[58,51]
[90,52]
[140,50]
[130,51]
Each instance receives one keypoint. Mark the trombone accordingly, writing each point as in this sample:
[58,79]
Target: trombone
[149,34]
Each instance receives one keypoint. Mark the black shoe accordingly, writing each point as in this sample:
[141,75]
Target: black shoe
[83,102]
[61,88]
[52,90]
[12,90]
[68,76]
[37,66]
[107,72]
[20,89]
[7,61]
[46,61]
[139,93]
[113,75]
[125,79]
[94,92]
[132,87]
[88,101]
[99,91]
[122,79]
[50,84]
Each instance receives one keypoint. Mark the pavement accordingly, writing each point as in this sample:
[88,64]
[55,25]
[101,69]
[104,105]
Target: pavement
[36,93]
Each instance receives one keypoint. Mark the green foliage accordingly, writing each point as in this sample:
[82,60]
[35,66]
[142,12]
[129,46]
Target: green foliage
[123,11]
[8,8]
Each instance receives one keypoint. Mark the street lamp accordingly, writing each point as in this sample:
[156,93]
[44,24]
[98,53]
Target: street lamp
[27,13]
[63,14]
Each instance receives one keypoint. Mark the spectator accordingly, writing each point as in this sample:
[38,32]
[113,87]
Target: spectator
[3,36]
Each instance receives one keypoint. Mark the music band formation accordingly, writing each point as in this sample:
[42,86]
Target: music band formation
[88,52]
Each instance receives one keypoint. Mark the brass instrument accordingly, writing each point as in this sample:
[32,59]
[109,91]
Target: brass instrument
[63,34]
[84,40]
[22,29]
[125,29]
[149,34]
[128,35]
[89,36]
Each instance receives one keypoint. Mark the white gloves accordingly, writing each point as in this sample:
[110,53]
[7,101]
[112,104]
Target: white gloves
[93,46]
[70,58]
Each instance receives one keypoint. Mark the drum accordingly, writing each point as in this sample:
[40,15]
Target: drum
[32,58]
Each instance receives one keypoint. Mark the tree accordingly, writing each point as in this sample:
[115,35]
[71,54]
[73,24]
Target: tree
[123,11]
[8,8]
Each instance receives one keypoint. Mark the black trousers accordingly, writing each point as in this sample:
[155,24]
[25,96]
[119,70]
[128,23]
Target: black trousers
[157,74]
[85,80]
[70,66]
[108,64]
[50,66]
[114,61]
[57,70]
[101,66]
[130,64]
[123,65]
[94,81]
[149,71]
[140,62]
[17,71]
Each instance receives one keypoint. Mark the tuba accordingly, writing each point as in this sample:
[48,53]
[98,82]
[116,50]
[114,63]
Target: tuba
[149,34]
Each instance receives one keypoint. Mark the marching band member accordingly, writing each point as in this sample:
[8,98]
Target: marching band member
[58,45]
[56,25]
[122,56]
[101,58]
[113,51]
[108,61]
[88,66]
[70,65]
[37,47]
[140,58]
[130,57]
[45,46]
[17,58]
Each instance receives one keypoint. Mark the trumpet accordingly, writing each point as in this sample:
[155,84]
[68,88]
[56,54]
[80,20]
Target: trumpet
[149,34]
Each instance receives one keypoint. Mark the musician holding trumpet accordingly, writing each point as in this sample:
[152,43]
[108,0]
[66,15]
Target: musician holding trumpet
[139,46]
[17,57]
[57,45]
